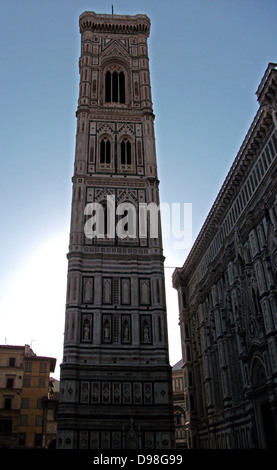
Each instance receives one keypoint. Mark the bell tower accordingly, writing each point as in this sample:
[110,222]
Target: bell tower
[115,390]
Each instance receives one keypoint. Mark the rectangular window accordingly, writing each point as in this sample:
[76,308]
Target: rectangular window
[8,403]
[28,366]
[26,382]
[12,362]
[25,403]
[22,439]
[38,440]
[9,383]
[41,383]
[23,420]
[43,367]
[7,425]
[38,420]
[39,403]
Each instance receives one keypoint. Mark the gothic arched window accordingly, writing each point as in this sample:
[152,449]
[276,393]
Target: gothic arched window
[105,151]
[126,157]
[115,87]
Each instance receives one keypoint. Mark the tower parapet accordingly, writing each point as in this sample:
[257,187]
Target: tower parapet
[123,24]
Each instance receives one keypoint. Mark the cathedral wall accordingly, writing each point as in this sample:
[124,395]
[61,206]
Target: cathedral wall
[228,306]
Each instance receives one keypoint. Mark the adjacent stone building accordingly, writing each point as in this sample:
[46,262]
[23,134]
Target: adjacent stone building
[24,387]
[35,388]
[227,298]
[11,378]
[116,389]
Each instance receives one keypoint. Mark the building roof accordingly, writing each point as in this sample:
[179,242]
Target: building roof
[178,365]
[52,360]
[30,355]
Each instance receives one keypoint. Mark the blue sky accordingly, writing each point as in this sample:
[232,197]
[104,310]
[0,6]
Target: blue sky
[207,58]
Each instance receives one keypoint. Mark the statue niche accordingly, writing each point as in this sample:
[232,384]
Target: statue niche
[87,328]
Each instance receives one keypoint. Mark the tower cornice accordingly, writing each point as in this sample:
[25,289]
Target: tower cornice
[118,113]
[123,24]
[266,92]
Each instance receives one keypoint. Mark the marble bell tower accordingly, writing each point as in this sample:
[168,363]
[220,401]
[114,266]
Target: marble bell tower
[115,385]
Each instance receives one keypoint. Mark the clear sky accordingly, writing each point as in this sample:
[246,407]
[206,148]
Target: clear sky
[207,58]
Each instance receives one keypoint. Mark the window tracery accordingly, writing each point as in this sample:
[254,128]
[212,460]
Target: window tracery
[115,87]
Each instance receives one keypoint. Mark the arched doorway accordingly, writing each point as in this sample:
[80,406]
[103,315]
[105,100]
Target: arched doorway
[265,422]
[52,444]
